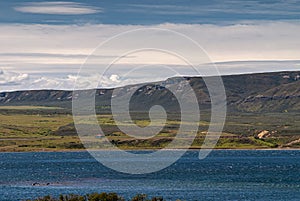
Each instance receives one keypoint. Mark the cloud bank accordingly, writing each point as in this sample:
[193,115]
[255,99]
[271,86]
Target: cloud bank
[51,55]
[8,78]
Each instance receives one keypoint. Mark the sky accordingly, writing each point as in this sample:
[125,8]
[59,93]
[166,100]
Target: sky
[45,44]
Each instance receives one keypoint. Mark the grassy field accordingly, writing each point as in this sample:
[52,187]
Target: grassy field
[30,128]
[27,107]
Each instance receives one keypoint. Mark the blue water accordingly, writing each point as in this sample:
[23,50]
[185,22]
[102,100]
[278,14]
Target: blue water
[224,175]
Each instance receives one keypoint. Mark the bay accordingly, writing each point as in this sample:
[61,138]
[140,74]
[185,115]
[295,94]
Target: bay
[223,175]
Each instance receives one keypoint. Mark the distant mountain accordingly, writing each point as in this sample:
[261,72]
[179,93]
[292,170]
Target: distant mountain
[263,92]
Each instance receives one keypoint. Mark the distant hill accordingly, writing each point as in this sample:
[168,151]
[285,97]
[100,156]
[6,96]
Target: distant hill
[263,92]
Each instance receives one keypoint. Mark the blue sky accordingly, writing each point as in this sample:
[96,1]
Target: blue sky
[44,43]
[154,11]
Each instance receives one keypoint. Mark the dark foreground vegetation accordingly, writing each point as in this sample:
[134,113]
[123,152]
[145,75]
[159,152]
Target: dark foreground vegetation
[97,197]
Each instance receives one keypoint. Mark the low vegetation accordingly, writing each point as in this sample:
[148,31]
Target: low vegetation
[24,129]
[97,197]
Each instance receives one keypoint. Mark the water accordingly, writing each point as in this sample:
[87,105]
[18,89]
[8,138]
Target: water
[224,175]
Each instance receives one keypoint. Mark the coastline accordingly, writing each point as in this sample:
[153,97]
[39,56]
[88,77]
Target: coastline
[190,149]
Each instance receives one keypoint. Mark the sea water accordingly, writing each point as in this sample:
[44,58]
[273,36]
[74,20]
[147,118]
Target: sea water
[223,175]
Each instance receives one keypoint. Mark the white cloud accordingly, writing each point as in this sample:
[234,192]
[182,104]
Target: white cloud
[114,78]
[9,78]
[57,8]
[51,55]
[69,44]
[11,81]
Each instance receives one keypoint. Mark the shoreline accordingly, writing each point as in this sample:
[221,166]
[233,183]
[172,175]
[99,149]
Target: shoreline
[179,149]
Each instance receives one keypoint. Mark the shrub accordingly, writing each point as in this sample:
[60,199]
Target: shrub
[97,197]
[104,197]
[144,197]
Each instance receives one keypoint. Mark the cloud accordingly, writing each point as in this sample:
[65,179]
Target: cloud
[114,78]
[9,78]
[11,81]
[70,44]
[51,55]
[57,8]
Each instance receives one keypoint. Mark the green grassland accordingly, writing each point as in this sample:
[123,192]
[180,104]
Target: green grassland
[28,107]
[30,128]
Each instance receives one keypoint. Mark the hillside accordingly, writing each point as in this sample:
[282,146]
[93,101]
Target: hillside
[264,92]
[285,97]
